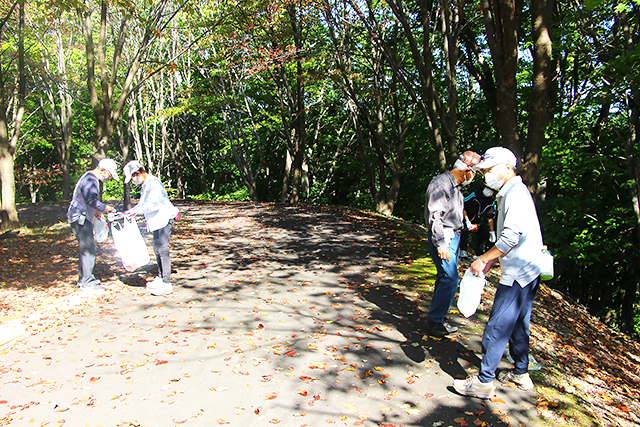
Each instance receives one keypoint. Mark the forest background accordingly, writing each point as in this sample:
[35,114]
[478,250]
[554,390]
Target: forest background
[342,102]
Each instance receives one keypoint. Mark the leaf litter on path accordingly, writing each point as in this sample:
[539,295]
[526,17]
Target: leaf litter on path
[274,299]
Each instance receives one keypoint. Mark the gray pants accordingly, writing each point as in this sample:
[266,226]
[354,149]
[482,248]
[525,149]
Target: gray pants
[87,256]
[161,248]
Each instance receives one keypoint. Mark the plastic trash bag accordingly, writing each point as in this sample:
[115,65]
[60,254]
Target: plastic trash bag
[130,244]
[546,265]
[100,230]
[470,293]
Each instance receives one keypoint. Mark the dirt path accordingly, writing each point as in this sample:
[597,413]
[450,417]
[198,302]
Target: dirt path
[281,315]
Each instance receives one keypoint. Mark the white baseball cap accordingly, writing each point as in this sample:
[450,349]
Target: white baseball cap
[130,168]
[497,156]
[110,166]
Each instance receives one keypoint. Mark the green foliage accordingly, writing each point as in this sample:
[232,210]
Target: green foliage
[589,221]
[241,195]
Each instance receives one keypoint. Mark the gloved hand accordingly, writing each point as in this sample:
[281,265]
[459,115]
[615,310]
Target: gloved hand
[131,213]
[471,226]
[492,236]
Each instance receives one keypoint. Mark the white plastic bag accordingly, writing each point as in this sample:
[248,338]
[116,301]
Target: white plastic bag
[100,230]
[470,293]
[546,265]
[130,244]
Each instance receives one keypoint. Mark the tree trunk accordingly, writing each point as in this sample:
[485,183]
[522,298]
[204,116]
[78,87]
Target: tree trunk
[8,211]
[502,21]
[632,287]
[541,11]
[298,122]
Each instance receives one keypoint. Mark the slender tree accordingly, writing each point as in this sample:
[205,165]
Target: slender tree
[10,131]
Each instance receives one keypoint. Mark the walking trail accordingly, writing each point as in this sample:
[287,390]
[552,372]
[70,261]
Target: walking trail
[280,315]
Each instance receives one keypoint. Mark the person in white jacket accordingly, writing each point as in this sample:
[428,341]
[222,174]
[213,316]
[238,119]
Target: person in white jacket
[160,214]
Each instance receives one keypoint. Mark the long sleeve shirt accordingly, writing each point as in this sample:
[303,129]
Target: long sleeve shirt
[155,204]
[520,238]
[86,198]
[443,208]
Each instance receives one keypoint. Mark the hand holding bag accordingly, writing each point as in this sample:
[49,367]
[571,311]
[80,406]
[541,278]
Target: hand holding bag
[130,244]
[470,293]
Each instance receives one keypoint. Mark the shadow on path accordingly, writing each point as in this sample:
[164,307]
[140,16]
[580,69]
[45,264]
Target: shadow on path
[280,315]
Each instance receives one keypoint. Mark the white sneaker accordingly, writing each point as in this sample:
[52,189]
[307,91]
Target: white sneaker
[154,283]
[474,388]
[162,289]
[523,382]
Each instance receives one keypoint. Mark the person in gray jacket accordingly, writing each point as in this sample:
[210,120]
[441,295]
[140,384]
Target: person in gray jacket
[443,214]
[160,214]
[84,207]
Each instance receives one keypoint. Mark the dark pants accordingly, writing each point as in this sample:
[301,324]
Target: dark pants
[482,236]
[161,248]
[508,323]
[87,256]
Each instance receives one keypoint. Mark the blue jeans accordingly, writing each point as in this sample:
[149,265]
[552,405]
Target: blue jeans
[447,279]
[508,323]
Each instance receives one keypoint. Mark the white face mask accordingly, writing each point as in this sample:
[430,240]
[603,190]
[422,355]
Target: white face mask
[487,192]
[468,181]
[492,179]
[136,180]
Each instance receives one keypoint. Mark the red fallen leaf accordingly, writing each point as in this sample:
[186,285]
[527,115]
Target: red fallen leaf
[221,421]
[257,410]
[497,400]
[260,326]
[2,402]
[239,350]
[94,379]
[429,395]
[290,353]
[162,362]
[301,392]
[271,396]
[274,421]
[307,379]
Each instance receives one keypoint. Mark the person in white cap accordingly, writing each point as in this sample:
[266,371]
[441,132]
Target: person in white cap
[443,214]
[518,247]
[160,214]
[86,205]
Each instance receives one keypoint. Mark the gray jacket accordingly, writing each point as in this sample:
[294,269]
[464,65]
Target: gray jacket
[85,198]
[443,208]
